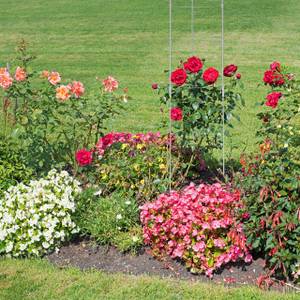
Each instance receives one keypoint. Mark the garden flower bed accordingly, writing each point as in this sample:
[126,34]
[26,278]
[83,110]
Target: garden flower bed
[134,191]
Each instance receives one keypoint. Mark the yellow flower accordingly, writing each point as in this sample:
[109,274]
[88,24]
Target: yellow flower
[124,146]
[140,146]
[136,167]
[142,182]
[162,166]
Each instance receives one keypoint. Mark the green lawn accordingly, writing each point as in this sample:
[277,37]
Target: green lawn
[129,39]
[37,279]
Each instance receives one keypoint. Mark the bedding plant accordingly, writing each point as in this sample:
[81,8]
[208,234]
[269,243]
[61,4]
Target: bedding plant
[271,178]
[133,163]
[198,225]
[35,218]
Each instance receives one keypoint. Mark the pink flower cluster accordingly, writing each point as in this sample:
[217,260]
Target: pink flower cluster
[198,225]
[132,139]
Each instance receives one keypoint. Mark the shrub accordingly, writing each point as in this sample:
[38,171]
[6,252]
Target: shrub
[12,167]
[198,225]
[111,220]
[55,116]
[36,218]
[271,179]
[197,105]
[135,163]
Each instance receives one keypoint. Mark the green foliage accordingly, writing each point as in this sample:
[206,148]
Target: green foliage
[109,220]
[13,169]
[130,240]
[271,185]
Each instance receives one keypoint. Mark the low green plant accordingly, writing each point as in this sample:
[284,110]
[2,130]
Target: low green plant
[13,169]
[109,220]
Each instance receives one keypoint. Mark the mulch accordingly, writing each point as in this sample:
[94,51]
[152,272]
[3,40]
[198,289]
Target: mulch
[87,255]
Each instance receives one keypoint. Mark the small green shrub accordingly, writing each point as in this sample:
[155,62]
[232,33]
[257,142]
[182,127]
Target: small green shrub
[130,240]
[109,220]
[12,167]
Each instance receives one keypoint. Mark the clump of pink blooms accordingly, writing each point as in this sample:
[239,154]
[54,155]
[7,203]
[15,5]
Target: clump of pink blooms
[198,225]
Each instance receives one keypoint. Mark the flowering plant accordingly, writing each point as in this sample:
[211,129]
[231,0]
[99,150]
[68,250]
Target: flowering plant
[197,104]
[59,116]
[198,225]
[130,162]
[36,218]
[271,179]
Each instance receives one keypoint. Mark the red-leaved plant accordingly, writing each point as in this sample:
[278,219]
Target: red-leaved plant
[198,225]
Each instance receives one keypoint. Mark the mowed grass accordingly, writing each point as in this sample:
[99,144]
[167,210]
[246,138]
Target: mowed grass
[129,40]
[37,279]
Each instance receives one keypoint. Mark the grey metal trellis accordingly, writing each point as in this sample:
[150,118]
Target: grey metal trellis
[170,83]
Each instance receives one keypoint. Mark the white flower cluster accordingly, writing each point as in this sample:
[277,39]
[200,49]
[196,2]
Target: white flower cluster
[36,218]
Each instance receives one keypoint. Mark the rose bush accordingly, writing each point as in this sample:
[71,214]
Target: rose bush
[198,225]
[197,105]
[55,116]
[271,178]
[36,218]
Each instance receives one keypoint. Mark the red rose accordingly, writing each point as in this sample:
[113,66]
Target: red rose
[268,77]
[278,79]
[154,86]
[272,99]
[230,70]
[178,77]
[272,77]
[275,66]
[176,114]
[84,157]
[210,75]
[107,140]
[238,76]
[193,64]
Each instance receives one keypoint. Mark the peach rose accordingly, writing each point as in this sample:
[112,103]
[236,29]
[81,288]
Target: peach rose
[110,84]
[54,78]
[77,89]
[20,74]
[63,93]
[5,79]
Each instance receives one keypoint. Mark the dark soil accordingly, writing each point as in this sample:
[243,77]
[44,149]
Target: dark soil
[86,255]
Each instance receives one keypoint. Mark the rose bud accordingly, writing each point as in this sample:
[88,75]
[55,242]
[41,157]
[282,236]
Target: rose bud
[154,86]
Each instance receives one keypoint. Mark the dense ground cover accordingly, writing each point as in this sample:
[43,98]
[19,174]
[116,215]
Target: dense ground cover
[128,39]
[33,279]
